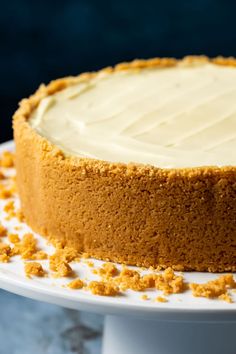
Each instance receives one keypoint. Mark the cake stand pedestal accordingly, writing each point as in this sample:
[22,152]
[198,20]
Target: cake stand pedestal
[134,336]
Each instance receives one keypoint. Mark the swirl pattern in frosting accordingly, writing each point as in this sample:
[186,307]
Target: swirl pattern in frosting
[176,117]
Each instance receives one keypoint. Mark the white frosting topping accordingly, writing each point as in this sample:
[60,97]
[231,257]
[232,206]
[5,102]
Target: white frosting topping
[182,116]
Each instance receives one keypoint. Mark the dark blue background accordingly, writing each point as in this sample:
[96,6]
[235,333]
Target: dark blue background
[41,40]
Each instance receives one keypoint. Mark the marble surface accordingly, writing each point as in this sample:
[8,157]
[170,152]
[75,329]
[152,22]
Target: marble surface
[28,326]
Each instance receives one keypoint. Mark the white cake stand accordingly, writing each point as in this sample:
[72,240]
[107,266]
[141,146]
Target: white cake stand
[183,325]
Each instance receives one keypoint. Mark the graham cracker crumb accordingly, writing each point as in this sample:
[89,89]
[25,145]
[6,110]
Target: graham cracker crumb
[108,270]
[7,159]
[5,251]
[67,254]
[130,279]
[59,261]
[103,288]
[63,269]
[2,176]
[34,268]
[39,255]
[226,297]
[217,288]
[13,238]
[57,244]
[3,231]
[76,284]
[161,299]
[4,248]
[170,283]
[4,258]
[27,247]
[144,297]
[149,280]
[9,208]
[5,193]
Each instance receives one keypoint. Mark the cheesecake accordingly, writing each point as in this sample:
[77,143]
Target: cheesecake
[135,164]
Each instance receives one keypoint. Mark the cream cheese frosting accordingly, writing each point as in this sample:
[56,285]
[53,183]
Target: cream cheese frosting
[182,116]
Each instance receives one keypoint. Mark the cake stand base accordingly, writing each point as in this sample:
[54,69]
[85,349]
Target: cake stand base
[124,335]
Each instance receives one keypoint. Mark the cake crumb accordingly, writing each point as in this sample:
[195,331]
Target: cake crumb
[144,297]
[89,263]
[7,159]
[170,283]
[9,208]
[5,193]
[130,279]
[226,297]
[149,280]
[103,288]
[2,176]
[3,231]
[108,270]
[39,256]
[76,284]
[5,252]
[61,269]
[13,238]
[64,270]
[27,247]
[4,258]
[161,299]
[59,261]
[213,289]
[34,268]
[66,254]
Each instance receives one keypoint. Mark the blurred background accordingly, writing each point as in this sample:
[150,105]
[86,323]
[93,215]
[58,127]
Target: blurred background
[43,40]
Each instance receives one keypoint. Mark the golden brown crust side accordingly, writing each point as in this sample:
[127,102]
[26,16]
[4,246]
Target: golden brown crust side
[129,213]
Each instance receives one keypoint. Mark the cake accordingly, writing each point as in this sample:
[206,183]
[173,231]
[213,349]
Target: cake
[135,164]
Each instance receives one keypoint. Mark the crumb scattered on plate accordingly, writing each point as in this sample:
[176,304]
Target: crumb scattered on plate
[34,268]
[76,284]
